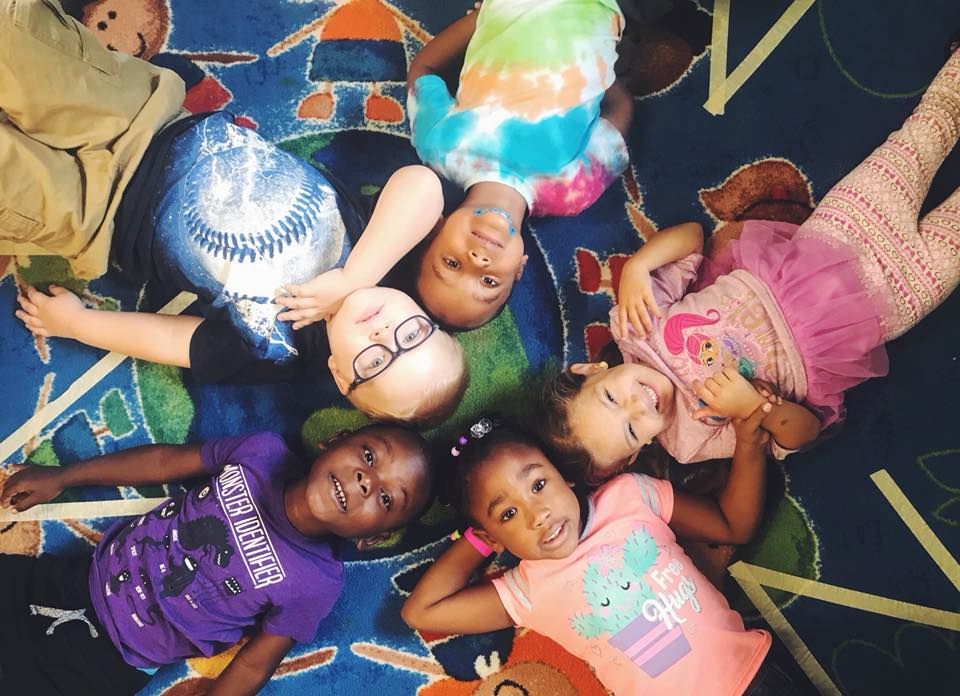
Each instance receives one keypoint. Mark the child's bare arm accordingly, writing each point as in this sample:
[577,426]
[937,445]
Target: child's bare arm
[442,601]
[150,464]
[792,425]
[409,206]
[617,107]
[158,338]
[445,50]
[252,666]
[733,516]
[636,301]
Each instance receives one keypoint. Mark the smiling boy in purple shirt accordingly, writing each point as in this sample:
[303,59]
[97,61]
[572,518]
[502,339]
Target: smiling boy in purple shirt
[245,553]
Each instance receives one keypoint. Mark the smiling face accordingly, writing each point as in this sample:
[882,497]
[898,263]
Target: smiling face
[371,316]
[371,481]
[523,503]
[468,270]
[617,411]
[137,27]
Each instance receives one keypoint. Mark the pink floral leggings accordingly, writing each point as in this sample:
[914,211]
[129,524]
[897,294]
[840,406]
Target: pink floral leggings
[911,265]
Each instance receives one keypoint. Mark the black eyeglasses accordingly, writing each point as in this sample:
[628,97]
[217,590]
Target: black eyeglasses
[373,360]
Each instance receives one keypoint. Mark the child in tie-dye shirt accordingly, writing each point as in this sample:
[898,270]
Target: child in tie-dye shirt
[537,126]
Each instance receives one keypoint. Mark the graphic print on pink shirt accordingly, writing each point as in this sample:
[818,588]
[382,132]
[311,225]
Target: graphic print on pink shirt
[729,348]
[641,621]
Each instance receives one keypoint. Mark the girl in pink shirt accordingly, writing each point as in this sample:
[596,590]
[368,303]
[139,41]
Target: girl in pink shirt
[602,575]
[800,311]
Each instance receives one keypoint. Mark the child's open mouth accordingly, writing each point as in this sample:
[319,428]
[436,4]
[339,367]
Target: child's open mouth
[651,394]
[556,536]
[339,497]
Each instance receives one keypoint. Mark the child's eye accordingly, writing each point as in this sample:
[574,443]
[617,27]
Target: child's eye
[633,433]
[451,263]
[609,396]
[409,337]
[375,362]
[386,500]
[489,282]
[539,485]
[368,455]
[508,514]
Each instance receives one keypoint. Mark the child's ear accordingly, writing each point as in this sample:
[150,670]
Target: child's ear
[342,384]
[587,369]
[488,540]
[523,264]
[372,541]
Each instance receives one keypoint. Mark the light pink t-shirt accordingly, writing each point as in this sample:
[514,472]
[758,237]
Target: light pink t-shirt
[735,322]
[631,603]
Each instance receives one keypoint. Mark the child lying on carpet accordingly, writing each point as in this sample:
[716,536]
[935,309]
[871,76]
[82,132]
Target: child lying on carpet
[538,126]
[98,166]
[247,552]
[602,574]
[806,309]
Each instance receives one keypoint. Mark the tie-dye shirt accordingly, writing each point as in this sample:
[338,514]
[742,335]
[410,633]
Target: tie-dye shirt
[527,112]
[631,603]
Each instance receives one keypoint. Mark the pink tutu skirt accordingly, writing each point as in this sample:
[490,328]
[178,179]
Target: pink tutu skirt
[835,322]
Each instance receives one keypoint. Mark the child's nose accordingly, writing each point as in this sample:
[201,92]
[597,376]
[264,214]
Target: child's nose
[379,332]
[541,516]
[364,483]
[479,257]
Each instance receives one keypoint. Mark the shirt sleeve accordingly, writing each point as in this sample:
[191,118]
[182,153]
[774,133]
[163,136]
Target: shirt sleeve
[427,103]
[514,591]
[671,281]
[656,494]
[219,355]
[263,447]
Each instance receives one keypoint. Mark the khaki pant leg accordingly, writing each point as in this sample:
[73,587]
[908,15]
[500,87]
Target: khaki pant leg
[95,110]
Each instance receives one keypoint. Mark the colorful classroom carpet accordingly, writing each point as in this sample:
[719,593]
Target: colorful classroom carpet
[722,134]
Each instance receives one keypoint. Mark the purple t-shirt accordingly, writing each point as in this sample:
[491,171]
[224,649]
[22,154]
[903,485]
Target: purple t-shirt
[194,575]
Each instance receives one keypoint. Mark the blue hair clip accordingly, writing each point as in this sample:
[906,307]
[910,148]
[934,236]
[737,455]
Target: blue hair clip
[477,212]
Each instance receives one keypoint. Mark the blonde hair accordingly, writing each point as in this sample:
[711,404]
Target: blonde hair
[438,399]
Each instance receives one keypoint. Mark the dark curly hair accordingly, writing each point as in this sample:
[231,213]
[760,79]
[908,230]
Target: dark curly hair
[477,451]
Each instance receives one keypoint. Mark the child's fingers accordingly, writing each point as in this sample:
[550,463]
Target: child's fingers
[639,321]
[57,290]
[622,318]
[35,295]
[27,305]
[28,319]
[701,390]
[653,307]
[294,302]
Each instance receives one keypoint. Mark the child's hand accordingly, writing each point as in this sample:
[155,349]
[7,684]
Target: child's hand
[316,299]
[750,434]
[727,394]
[636,298]
[767,391]
[31,486]
[49,315]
